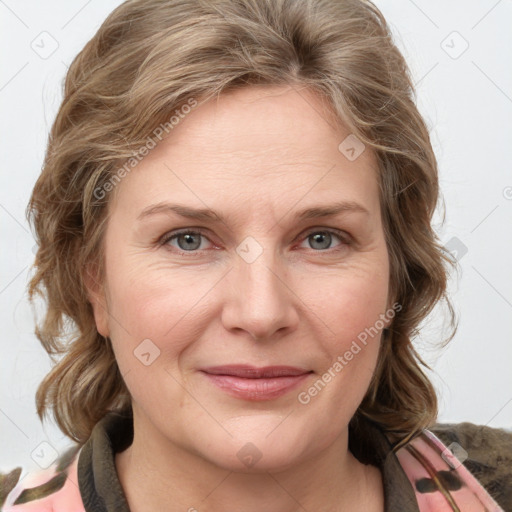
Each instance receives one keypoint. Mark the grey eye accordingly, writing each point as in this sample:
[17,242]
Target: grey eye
[187,241]
[322,240]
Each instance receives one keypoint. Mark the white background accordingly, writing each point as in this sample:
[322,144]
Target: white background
[466,98]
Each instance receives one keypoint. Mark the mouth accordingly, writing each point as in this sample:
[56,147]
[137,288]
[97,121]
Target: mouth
[256,384]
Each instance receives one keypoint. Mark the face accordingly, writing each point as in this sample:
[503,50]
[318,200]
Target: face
[268,280]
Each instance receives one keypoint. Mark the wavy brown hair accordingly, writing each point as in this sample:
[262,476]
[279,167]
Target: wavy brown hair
[147,60]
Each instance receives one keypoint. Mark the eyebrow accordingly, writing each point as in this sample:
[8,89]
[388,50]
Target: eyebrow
[208,215]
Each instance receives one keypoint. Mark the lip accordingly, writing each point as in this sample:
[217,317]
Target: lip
[255,384]
[252,372]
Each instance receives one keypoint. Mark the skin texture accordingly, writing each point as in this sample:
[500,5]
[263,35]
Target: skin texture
[257,156]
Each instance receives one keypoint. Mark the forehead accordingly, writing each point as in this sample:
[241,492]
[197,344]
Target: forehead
[261,122]
[258,144]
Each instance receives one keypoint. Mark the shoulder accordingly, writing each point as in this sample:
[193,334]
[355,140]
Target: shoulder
[43,490]
[485,451]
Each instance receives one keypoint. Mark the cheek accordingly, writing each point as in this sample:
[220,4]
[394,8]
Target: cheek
[350,301]
[156,304]
[146,312]
[149,298]
[354,309]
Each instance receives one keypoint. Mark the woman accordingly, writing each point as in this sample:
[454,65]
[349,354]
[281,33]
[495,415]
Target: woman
[236,251]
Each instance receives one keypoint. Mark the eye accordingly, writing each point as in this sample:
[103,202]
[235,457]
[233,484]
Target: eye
[322,239]
[187,241]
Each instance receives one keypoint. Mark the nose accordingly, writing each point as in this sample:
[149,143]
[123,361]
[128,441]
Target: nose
[260,300]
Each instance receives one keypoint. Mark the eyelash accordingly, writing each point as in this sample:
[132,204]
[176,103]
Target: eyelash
[343,237]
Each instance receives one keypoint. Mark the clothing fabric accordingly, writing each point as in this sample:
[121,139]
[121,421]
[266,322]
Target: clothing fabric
[424,475]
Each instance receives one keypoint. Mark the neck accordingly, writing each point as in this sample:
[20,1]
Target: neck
[156,474]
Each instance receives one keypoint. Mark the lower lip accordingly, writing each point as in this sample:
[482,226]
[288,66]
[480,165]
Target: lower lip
[256,389]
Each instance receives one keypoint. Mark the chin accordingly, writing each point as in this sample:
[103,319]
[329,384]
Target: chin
[250,458]
[260,448]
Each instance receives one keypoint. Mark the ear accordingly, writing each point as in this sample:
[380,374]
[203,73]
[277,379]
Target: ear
[97,298]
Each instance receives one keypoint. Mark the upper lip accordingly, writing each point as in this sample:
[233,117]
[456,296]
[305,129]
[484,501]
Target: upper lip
[252,372]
